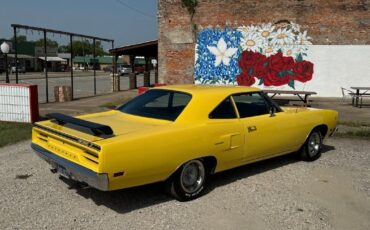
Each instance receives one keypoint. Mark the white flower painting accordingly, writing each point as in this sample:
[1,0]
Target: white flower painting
[221,52]
[283,36]
[253,42]
[269,39]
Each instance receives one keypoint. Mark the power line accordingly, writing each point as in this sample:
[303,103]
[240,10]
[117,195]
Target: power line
[136,10]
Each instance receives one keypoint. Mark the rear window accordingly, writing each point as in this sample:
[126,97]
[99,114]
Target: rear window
[158,104]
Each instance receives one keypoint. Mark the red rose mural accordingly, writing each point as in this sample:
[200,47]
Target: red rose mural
[303,71]
[253,62]
[245,79]
[273,79]
[278,63]
[275,70]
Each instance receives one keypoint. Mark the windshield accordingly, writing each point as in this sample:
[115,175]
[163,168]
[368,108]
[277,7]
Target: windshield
[158,104]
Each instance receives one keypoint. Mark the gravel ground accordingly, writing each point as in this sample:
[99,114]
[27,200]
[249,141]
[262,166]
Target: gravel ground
[282,193]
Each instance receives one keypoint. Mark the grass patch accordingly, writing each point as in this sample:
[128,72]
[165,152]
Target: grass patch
[354,123]
[361,134]
[114,104]
[11,133]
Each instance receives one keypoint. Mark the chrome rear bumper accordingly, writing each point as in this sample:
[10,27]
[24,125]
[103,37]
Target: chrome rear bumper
[73,171]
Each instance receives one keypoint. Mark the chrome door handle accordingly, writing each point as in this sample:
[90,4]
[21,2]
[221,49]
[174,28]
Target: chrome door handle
[252,129]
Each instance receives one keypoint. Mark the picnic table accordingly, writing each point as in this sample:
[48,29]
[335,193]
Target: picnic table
[359,95]
[302,95]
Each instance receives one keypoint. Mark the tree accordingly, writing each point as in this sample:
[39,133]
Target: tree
[20,39]
[49,43]
[64,49]
[82,48]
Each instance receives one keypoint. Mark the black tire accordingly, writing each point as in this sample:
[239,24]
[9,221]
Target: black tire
[188,182]
[311,149]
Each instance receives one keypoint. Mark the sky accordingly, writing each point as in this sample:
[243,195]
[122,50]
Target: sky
[124,21]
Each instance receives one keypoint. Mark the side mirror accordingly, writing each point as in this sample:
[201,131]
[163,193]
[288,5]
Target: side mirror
[272,111]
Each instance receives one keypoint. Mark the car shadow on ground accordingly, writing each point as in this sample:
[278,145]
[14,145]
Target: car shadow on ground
[245,171]
[125,200]
[128,200]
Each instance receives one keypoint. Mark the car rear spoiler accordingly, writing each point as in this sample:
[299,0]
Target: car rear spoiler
[95,129]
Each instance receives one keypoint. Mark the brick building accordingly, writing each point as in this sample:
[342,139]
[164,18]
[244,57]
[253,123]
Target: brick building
[339,30]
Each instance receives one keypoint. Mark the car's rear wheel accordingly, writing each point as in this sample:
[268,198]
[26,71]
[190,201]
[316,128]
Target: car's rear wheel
[311,150]
[188,182]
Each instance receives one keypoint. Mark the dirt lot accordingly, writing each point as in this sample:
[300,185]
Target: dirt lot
[283,193]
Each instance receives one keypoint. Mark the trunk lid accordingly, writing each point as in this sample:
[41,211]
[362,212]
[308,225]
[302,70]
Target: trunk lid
[82,148]
[121,123]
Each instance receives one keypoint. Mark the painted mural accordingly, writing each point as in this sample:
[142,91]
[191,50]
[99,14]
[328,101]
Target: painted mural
[266,54]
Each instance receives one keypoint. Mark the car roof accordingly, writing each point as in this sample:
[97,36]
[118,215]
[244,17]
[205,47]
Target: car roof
[204,98]
[210,89]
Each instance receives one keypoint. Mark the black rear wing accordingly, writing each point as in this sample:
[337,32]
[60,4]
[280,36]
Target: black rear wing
[95,129]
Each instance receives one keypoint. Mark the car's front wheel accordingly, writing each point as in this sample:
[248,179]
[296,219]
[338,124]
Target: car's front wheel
[188,182]
[311,150]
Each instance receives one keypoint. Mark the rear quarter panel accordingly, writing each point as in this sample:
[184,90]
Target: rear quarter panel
[149,157]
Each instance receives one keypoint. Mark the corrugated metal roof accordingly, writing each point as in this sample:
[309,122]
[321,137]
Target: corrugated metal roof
[149,49]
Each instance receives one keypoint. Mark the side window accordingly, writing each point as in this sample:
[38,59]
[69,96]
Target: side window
[250,104]
[225,110]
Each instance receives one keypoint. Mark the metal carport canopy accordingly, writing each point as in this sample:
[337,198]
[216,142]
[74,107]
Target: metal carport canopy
[146,49]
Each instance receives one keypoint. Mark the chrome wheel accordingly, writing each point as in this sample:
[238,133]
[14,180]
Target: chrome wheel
[314,144]
[192,176]
[311,149]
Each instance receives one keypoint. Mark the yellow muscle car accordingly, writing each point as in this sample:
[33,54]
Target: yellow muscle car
[178,134]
